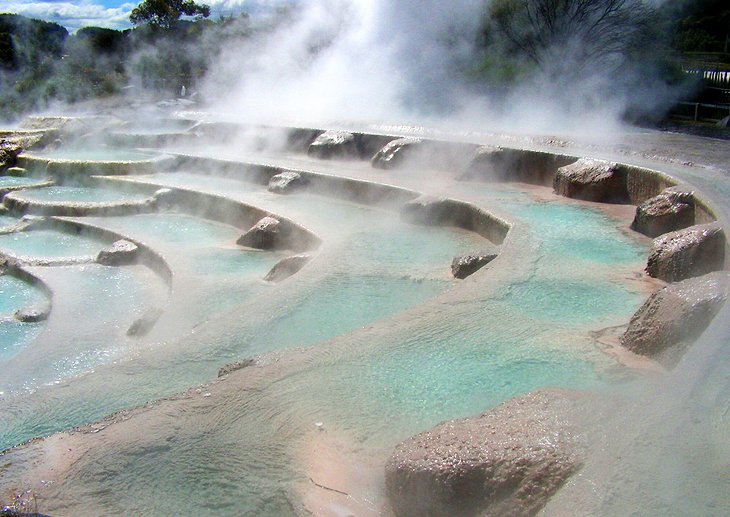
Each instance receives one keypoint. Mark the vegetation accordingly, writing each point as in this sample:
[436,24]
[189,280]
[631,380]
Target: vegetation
[173,42]
[166,13]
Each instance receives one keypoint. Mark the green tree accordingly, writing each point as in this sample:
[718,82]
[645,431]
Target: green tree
[166,13]
[575,32]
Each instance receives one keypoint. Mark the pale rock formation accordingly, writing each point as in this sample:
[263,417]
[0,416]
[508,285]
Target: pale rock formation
[286,267]
[675,316]
[120,253]
[334,144]
[264,235]
[694,251]
[507,461]
[286,182]
[467,264]
[592,180]
[669,211]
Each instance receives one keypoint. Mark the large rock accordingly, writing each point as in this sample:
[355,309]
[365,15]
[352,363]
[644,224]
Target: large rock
[120,253]
[673,317]
[264,235]
[669,211]
[508,461]
[396,153]
[334,144]
[425,209]
[142,325]
[464,265]
[592,180]
[9,152]
[286,267]
[33,314]
[286,182]
[694,251]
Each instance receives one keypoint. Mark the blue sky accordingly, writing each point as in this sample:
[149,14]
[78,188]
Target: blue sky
[74,14]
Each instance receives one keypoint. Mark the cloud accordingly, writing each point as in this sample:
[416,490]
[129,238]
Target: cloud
[72,15]
[75,14]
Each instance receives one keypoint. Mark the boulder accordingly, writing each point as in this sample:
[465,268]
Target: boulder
[508,461]
[264,235]
[671,210]
[425,209]
[164,198]
[490,163]
[33,314]
[673,317]
[16,171]
[233,367]
[464,265]
[395,154]
[286,267]
[694,251]
[334,144]
[120,253]
[9,152]
[142,325]
[286,182]
[592,180]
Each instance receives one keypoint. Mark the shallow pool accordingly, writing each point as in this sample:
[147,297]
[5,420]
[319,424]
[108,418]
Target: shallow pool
[17,294]
[99,154]
[49,244]
[80,195]
[401,353]
[16,181]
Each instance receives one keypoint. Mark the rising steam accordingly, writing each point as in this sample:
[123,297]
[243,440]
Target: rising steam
[422,62]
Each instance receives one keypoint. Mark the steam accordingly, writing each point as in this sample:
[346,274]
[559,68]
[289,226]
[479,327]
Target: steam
[414,62]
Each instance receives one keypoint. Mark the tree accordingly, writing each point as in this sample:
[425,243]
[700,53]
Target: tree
[555,35]
[166,13]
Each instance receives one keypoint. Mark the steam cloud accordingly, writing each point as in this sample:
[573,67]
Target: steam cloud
[409,62]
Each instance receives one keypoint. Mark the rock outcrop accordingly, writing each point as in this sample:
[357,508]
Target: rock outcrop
[334,144]
[425,209]
[33,314]
[163,199]
[669,211]
[694,251]
[508,461]
[592,180]
[673,317]
[394,154]
[120,253]
[264,235]
[286,182]
[9,152]
[142,325]
[467,264]
[286,267]
[490,163]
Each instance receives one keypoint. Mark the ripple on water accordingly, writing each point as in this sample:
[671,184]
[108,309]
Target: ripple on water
[94,155]
[16,294]
[49,244]
[81,195]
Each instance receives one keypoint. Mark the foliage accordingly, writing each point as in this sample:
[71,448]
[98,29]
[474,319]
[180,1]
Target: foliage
[166,13]
[701,25]
[569,35]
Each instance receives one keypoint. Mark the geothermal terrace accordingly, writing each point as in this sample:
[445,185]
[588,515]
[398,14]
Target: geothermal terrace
[230,319]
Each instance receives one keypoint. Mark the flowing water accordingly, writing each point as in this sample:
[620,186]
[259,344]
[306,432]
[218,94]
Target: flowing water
[16,294]
[387,362]
[384,381]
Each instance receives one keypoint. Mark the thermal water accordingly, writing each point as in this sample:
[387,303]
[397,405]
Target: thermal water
[67,194]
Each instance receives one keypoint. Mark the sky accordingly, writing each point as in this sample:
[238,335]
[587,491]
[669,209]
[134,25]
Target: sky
[74,14]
